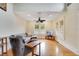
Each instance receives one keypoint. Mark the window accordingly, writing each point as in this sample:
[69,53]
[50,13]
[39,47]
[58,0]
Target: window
[39,26]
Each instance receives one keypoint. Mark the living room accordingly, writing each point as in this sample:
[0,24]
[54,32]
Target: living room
[39,22]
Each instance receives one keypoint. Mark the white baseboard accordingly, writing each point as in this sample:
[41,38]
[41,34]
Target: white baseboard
[60,39]
[74,50]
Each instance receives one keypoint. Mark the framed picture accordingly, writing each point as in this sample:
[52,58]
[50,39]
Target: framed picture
[61,22]
[3,6]
[57,25]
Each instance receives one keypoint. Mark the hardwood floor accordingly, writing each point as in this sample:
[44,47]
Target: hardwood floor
[51,48]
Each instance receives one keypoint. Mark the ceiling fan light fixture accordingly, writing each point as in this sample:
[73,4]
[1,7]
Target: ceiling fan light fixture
[39,20]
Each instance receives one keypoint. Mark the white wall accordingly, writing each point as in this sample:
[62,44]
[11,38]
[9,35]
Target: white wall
[9,24]
[47,24]
[71,28]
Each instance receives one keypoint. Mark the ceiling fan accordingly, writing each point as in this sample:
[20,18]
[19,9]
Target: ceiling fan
[39,20]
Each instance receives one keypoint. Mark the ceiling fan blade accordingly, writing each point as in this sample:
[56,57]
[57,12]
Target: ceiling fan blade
[44,20]
[39,20]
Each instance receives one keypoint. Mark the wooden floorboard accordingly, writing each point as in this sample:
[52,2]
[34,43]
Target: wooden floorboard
[50,48]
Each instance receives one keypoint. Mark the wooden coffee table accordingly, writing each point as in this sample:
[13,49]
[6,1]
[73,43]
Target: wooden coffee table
[33,45]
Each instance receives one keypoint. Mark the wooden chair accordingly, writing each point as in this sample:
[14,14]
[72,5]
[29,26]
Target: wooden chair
[3,45]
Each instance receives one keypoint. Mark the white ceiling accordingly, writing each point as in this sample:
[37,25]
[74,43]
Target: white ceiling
[39,7]
[35,16]
[31,11]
